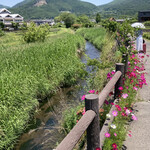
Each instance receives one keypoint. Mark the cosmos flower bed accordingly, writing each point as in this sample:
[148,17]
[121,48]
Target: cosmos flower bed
[134,80]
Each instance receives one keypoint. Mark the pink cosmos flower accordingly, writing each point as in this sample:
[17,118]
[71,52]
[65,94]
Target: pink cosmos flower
[111,93]
[114,113]
[127,111]
[135,88]
[125,108]
[127,87]
[114,145]
[107,135]
[112,103]
[83,111]
[106,102]
[83,97]
[118,107]
[113,72]
[108,76]
[130,135]
[120,88]
[125,95]
[92,91]
[98,148]
[123,114]
[115,134]
[133,56]
[129,63]
[134,117]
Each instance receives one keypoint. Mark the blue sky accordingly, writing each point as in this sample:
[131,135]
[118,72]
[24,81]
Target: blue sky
[13,2]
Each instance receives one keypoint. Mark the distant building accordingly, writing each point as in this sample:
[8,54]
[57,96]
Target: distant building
[93,20]
[120,20]
[144,16]
[7,17]
[40,21]
[112,19]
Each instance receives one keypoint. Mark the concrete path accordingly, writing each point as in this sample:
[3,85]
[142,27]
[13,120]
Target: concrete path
[140,129]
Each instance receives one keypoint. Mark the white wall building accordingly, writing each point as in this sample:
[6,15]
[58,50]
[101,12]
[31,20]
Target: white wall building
[7,17]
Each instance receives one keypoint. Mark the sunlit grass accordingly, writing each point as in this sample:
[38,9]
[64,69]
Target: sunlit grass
[32,71]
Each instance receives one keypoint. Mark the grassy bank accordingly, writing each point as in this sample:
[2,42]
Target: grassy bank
[29,72]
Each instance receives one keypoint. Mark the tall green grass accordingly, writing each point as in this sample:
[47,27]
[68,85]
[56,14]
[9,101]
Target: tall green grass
[97,36]
[147,36]
[29,72]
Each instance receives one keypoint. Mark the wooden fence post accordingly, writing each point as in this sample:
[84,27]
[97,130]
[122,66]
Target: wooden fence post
[125,58]
[93,138]
[119,67]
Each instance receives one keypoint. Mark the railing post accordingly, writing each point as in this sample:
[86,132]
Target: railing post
[93,138]
[125,61]
[119,67]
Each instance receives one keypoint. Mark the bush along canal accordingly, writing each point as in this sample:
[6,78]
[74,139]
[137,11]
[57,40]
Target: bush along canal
[44,132]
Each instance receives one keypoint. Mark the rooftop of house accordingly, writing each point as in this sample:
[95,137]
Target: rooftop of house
[10,16]
[144,11]
[6,13]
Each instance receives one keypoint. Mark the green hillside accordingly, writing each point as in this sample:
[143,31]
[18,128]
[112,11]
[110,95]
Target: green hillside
[124,7]
[2,6]
[52,8]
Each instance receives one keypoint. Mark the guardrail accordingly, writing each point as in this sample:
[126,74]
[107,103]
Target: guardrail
[90,120]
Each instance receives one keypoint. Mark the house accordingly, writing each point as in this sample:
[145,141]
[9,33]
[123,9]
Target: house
[40,21]
[7,17]
[144,16]
[120,20]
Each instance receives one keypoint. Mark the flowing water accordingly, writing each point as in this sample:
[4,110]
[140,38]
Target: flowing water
[46,132]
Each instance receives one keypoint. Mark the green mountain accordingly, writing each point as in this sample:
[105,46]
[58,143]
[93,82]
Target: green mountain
[30,9]
[124,7]
[2,6]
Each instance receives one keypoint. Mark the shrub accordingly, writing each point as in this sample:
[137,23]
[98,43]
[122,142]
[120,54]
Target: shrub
[2,25]
[24,26]
[1,32]
[147,23]
[36,33]
[76,26]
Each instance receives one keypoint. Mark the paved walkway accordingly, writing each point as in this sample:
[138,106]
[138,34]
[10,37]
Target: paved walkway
[140,129]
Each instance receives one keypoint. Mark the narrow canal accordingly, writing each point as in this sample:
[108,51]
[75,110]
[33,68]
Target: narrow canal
[46,133]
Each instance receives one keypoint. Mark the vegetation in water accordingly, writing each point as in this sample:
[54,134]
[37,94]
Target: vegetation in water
[97,36]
